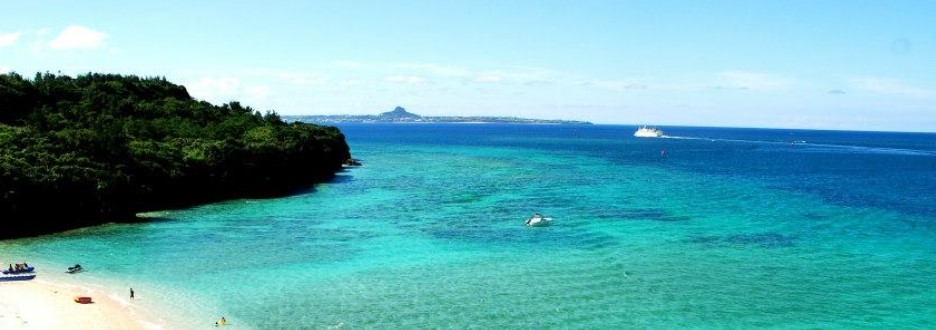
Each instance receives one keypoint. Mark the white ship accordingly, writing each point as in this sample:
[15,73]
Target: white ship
[648,132]
[538,220]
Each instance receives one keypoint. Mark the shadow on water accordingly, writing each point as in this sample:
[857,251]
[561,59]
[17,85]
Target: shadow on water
[644,214]
[542,237]
[764,240]
[815,216]
[342,178]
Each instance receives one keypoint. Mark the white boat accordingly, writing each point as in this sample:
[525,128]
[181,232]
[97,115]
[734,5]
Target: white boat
[538,220]
[648,132]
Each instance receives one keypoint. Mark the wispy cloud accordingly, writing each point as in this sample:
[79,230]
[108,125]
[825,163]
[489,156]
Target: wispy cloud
[275,76]
[7,39]
[754,81]
[304,79]
[615,85]
[521,75]
[458,73]
[226,89]
[214,89]
[256,93]
[77,37]
[404,79]
[728,80]
[890,86]
[347,64]
[836,92]
[435,69]
[489,78]
[350,82]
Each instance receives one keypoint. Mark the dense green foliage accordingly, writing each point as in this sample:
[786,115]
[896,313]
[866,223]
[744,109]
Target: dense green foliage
[97,147]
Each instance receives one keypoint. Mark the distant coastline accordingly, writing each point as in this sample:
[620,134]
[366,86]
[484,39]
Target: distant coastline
[400,115]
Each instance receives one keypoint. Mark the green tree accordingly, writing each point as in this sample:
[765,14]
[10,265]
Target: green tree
[101,147]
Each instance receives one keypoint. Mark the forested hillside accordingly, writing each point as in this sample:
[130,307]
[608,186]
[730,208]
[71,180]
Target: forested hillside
[79,151]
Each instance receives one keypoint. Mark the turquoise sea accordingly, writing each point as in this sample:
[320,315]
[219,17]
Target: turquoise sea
[711,228]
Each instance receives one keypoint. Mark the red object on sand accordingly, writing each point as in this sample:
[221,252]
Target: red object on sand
[83,300]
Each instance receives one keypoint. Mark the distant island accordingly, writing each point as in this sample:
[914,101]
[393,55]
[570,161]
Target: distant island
[400,115]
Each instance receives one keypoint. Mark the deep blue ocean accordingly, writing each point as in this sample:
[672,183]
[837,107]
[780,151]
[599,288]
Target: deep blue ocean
[707,228]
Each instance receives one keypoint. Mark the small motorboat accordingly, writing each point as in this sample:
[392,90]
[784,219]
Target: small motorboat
[19,269]
[538,220]
[74,269]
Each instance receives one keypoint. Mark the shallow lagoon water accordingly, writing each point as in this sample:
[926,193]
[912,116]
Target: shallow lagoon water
[713,228]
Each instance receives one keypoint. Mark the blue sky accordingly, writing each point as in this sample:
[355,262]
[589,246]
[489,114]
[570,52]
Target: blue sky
[857,65]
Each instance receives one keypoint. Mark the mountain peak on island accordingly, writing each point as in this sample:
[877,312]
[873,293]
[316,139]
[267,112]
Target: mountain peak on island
[398,113]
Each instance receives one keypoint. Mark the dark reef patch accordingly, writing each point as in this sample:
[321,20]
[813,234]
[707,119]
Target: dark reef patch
[815,216]
[548,237]
[765,240]
[647,214]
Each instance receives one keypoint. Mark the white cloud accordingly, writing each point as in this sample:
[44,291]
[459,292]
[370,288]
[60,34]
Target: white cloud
[519,75]
[77,37]
[225,89]
[304,79]
[489,78]
[350,82]
[890,86]
[347,64]
[7,39]
[256,93]
[278,76]
[409,80]
[436,69]
[216,90]
[614,85]
[750,81]
[525,76]
[4,69]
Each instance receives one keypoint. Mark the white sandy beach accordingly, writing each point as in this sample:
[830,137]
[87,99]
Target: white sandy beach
[41,304]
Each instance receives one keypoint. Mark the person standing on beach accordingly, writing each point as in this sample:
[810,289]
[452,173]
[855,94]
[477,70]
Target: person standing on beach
[131,293]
